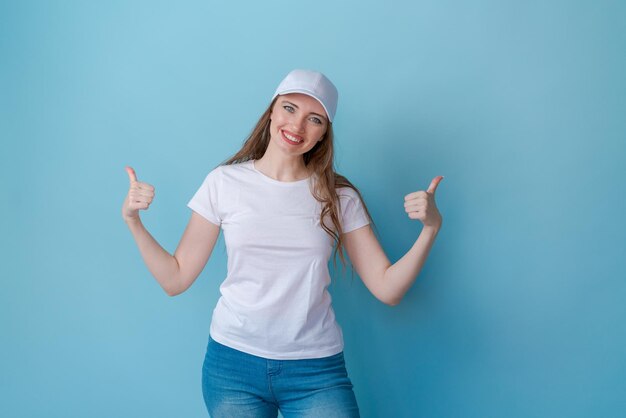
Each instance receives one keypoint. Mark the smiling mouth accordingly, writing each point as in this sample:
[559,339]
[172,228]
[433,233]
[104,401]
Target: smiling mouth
[291,138]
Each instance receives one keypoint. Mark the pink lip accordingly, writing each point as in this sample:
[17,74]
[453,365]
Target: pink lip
[282,132]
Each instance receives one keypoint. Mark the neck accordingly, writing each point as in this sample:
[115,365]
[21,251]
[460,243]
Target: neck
[283,168]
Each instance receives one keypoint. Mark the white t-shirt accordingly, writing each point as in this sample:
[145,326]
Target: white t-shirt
[274,300]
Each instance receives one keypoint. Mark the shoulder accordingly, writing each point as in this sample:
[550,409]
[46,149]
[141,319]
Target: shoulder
[348,199]
[233,166]
[347,193]
[344,187]
[236,172]
[231,175]
[228,169]
[214,174]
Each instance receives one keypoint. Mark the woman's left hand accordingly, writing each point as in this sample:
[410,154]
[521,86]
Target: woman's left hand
[421,205]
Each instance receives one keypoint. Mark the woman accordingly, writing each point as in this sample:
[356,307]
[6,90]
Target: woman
[274,343]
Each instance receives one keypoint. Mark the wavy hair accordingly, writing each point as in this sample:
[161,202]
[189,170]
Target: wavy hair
[321,159]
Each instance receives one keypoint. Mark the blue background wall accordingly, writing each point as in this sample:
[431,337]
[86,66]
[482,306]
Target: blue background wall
[518,312]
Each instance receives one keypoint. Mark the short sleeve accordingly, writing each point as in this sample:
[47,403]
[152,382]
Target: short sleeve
[205,200]
[353,214]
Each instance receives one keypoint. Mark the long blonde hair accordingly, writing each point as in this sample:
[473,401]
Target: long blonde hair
[320,158]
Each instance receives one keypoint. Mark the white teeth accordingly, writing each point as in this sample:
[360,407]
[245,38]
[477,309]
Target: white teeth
[291,138]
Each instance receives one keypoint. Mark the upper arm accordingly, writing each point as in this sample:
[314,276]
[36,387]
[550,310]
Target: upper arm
[369,259]
[194,249]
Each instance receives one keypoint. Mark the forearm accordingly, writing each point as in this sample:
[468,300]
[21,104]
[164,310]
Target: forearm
[399,277]
[161,264]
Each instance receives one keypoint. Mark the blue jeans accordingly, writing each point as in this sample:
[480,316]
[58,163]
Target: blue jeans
[242,385]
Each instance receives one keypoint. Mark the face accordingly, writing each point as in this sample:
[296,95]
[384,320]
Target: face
[298,122]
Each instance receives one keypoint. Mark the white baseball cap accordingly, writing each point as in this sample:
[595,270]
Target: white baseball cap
[314,84]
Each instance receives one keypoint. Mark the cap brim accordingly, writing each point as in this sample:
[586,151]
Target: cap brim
[308,93]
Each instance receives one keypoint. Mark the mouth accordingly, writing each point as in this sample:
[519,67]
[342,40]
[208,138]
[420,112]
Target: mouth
[290,138]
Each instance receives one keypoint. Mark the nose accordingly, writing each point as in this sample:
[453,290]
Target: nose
[298,124]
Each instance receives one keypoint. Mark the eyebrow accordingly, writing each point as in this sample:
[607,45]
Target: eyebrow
[296,106]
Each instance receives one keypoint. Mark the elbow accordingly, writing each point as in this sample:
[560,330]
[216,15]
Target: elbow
[176,286]
[172,291]
[390,300]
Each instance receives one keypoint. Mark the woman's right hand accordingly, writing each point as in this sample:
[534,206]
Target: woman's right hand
[139,196]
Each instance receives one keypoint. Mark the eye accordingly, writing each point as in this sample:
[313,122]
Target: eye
[288,108]
[317,121]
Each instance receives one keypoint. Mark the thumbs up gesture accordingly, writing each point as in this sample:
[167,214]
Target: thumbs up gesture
[421,205]
[140,195]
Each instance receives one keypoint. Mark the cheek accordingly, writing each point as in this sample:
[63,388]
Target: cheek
[322,133]
[274,126]
[276,122]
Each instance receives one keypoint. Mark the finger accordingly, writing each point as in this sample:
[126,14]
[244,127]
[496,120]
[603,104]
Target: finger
[434,184]
[131,174]
[416,200]
[138,205]
[145,186]
[415,203]
[144,191]
[415,207]
[415,195]
[140,200]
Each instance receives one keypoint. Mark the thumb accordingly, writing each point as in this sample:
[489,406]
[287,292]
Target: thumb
[434,184]
[131,174]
